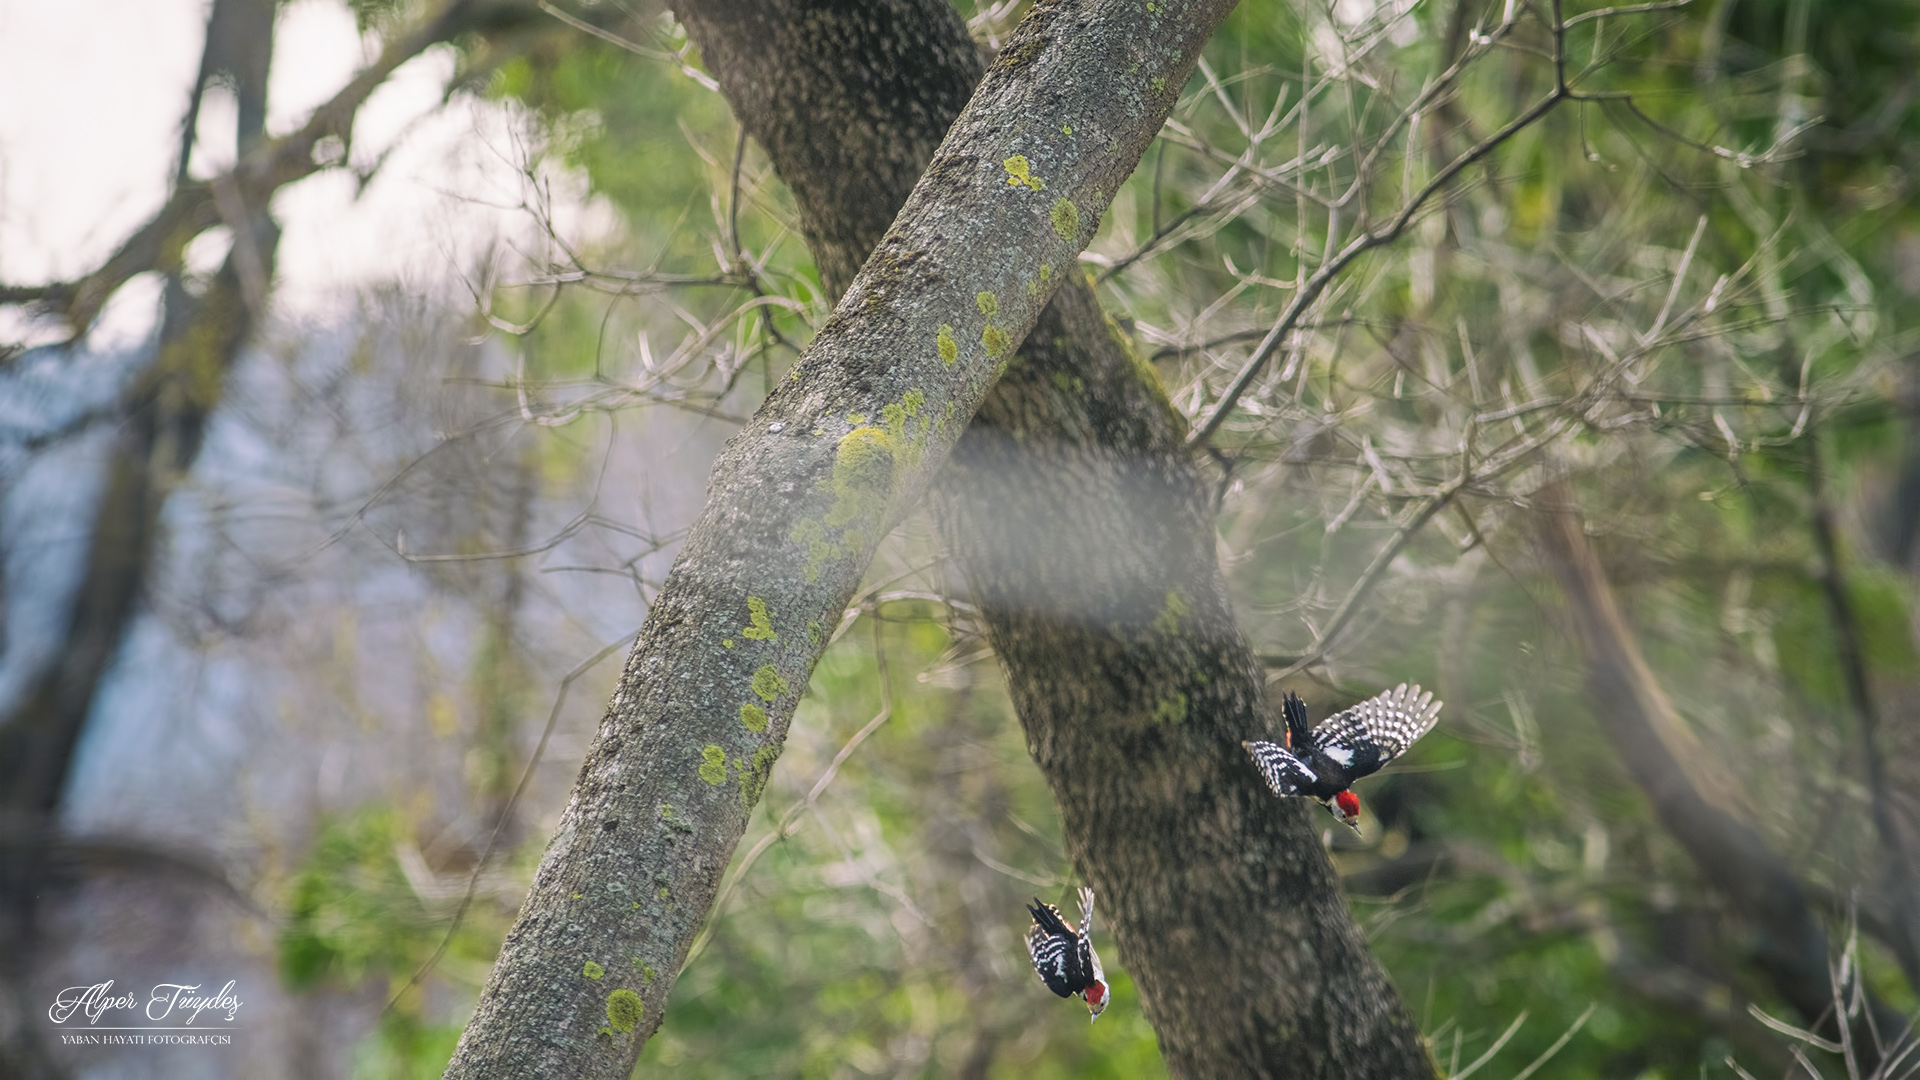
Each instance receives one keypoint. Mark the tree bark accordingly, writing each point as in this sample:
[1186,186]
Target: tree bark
[1084,527]
[796,504]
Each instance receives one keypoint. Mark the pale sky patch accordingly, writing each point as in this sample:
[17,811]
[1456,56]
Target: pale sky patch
[90,159]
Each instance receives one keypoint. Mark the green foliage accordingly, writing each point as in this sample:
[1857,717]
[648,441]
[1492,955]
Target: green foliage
[350,910]
[353,920]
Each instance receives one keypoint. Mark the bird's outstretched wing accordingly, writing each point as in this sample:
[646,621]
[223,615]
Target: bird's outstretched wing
[1089,960]
[1054,945]
[1286,774]
[1377,730]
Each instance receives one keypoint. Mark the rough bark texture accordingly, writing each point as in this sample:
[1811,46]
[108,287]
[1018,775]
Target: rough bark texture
[1789,943]
[796,504]
[1085,530]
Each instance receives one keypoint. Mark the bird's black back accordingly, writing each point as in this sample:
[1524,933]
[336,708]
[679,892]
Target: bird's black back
[1060,955]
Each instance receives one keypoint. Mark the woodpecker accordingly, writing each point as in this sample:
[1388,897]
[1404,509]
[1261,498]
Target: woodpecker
[1323,763]
[1064,956]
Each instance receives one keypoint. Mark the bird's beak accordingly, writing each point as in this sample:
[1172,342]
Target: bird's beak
[1350,822]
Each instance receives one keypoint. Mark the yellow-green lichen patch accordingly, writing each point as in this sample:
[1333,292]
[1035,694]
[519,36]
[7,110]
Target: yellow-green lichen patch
[989,303]
[949,348]
[856,418]
[593,970]
[767,683]
[1046,272]
[813,625]
[810,534]
[862,475]
[1069,384]
[753,716]
[726,643]
[1158,83]
[1020,173]
[1173,614]
[1170,710]
[1066,219]
[1066,129]
[753,775]
[862,481]
[996,340]
[896,415]
[713,765]
[760,620]
[625,1010]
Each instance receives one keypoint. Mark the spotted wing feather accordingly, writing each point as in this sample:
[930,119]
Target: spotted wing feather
[1377,730]
[1285,774]
[1089,960]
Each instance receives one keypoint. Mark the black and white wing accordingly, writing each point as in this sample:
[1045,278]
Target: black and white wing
[1089,960]
[1376,731]
[1286,774]
[1055,947]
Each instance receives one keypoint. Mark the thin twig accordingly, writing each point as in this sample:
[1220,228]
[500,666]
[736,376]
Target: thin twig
[1561,1041]
[1494,1049]
[1367,241]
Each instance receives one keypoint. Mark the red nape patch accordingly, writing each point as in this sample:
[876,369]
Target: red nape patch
[1096,993]
[1349,803]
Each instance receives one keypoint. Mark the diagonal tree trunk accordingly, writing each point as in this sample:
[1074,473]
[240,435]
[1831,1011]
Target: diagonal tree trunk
[1085,530]
[1691,795]
[796,504]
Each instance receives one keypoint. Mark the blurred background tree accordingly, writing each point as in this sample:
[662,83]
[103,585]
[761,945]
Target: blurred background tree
[366,624]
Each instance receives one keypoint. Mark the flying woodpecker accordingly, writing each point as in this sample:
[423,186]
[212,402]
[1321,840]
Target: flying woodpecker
[1064,956]
[1323,763]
